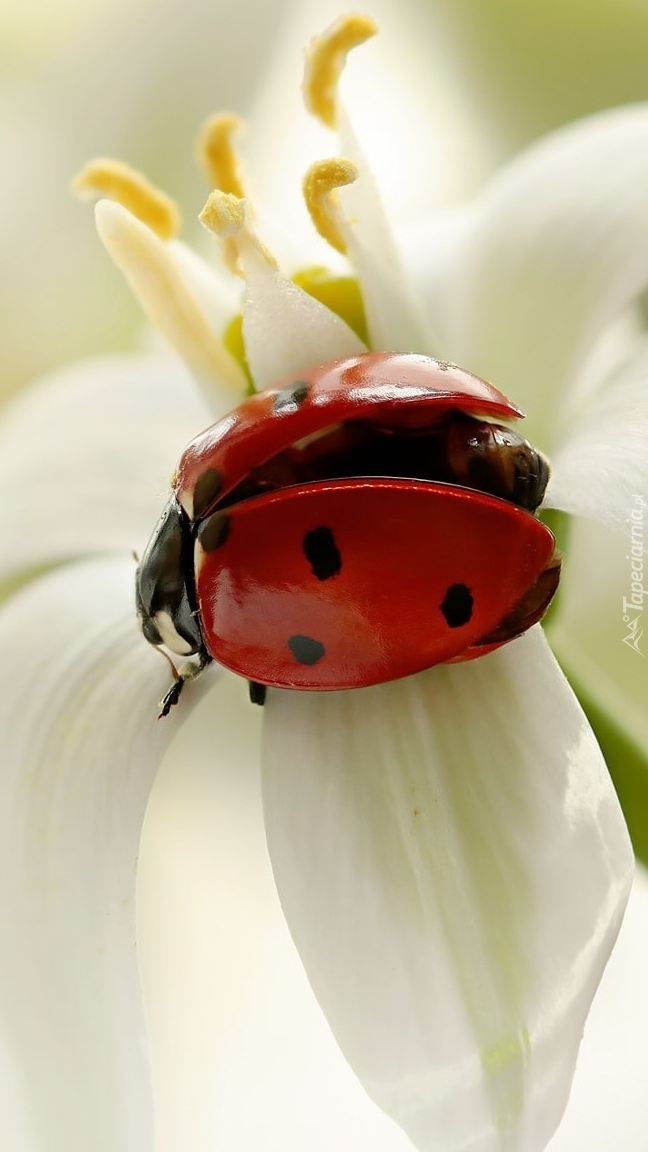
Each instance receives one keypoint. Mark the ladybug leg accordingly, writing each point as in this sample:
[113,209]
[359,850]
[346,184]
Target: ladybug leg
[258,692]
[189,672]
[171,698]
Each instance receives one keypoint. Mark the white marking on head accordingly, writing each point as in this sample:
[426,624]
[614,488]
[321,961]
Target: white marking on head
[170,636]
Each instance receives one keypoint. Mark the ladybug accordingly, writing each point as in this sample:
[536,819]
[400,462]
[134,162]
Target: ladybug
[360,523]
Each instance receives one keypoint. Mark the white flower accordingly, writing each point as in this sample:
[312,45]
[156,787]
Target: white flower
[72,73]
[448,849]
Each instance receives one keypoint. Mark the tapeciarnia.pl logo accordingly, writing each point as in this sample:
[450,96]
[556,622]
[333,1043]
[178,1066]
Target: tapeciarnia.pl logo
[633,604]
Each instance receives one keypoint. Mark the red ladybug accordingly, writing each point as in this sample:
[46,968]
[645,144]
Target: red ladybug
[358,524]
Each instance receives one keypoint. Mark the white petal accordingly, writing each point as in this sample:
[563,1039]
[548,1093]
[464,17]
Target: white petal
[556,251]
[86,456]
[453,865]
[609,1107]
[216,290]
[80,747]
[285,329]
[431,247]
[242,1056]
[281,1081]
[598,620]
[158,279]
[394,314]
[601,469]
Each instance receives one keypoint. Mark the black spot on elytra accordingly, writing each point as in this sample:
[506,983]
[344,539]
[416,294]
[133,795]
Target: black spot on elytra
[322,553]
[208,485]
[291,397]
[214,532]
[305,649]
[457,605]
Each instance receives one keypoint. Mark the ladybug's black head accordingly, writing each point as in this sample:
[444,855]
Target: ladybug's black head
[163,582]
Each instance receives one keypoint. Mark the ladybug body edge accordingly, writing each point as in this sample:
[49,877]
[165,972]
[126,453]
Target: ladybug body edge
[357,525]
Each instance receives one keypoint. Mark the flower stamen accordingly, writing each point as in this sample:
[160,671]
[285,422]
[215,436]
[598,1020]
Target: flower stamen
[325,62]
[117,181]
[216,153]
[150,266]
[227,217]
[320,183]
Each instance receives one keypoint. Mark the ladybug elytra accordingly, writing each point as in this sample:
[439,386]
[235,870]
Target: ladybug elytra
[362,523]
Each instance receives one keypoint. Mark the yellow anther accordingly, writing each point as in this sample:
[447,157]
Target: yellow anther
[118,181]
[216,153]
[227,217]
[325,60]
[223,214]
[319,187]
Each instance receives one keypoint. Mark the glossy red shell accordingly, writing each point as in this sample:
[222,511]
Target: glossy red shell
[417,572]
[403,391]
[438,570]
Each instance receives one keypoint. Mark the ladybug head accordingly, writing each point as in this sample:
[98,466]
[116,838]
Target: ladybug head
[163,582]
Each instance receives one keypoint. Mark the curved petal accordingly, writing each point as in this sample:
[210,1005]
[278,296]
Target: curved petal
[217,292]
[453,864]
[609,1108]
[232,1020]
[81,744]
[596,627]
[86,456]
[556,249]
[285,329]
[432,246]
[394,314]
[157,277]
[601,469]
